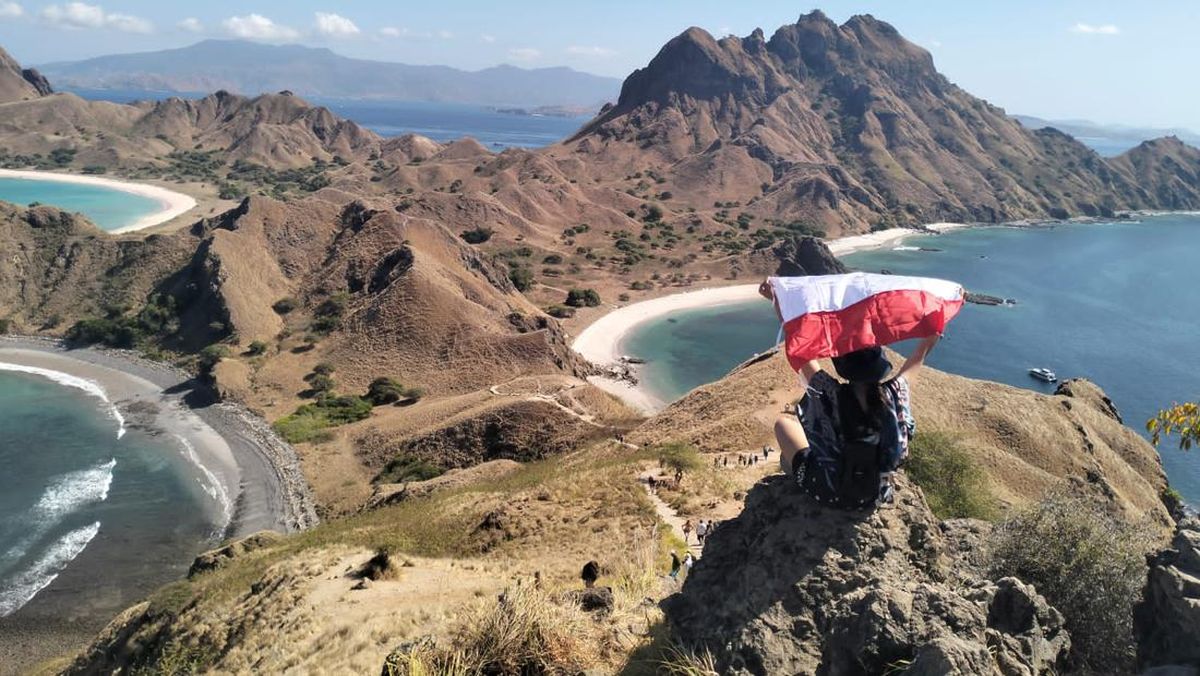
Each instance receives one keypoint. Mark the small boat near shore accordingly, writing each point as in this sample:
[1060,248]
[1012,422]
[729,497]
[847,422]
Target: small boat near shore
[1044,374]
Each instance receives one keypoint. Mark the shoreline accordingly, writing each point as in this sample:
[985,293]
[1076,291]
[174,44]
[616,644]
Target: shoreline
[173,204]
[257,471]
[600,342]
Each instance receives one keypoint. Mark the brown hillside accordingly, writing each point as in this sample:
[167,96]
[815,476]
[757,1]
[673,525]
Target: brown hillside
[17,84]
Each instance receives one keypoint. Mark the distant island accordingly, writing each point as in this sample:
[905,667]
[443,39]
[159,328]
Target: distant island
[212,65]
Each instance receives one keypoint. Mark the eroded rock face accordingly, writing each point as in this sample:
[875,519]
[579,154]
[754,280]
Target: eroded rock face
[215,558]
[792,587]
[1167,622]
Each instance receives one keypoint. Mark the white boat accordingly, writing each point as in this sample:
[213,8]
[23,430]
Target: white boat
[1044,374]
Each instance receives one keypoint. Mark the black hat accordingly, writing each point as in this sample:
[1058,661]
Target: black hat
[867,365]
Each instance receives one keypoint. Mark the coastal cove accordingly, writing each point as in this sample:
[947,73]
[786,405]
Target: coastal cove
[114,206]
[1112,302]
[130,486]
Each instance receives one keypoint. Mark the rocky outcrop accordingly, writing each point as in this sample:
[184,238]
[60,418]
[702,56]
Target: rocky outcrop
[215,558]
[1167,622]
[17,84]
[802,256]
[38,81]
[792,587]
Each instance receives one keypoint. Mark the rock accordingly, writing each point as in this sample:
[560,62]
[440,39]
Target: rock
[801,256]
[1086,390]
[595,599]
[792,587]
[1167,621]
[362,584]
[213,559]
[38,81]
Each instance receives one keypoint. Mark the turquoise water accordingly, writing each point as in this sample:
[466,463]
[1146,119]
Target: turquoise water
[1115,303]
[89,522]
[107,208]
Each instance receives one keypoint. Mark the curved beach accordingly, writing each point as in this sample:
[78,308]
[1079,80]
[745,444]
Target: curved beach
[600,342]
[173,204]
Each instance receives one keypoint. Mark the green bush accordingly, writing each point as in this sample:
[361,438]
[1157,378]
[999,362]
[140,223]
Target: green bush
[257,347]
[310,420]
[118,332]
[560,311]
[521,277]
[385,391]
[477,236]
[284,305]
[408,468]
[583,297]
[1088,564]
[679,457]
[953,484]
[4,325]
[553,259]
[324,369]
[210,357]
[320,384]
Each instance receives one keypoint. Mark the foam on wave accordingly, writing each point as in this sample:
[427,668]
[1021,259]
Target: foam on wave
[21,588]
[65,495]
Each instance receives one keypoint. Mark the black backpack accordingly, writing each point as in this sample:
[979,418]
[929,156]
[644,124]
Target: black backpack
[849,450]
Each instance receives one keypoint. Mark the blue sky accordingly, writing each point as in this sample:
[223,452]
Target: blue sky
[1109,61]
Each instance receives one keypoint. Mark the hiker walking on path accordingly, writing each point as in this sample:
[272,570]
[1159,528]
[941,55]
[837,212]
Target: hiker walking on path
[688,562]
[676,564]
[701,531]
[847,439]
[687,531]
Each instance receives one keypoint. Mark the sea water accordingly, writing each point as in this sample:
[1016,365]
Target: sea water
[93,514]
[109,209]
[1117,303]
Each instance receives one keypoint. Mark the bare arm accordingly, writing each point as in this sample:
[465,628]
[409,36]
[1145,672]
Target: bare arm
[917,358]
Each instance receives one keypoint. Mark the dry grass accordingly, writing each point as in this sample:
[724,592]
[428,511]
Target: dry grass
[679,660]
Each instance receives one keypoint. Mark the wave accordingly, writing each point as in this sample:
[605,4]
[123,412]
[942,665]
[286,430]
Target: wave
[211,484]
[906,248]
[65,495]
[89,386]
[18,591]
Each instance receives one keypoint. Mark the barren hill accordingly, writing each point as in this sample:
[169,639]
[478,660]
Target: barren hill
[17,84]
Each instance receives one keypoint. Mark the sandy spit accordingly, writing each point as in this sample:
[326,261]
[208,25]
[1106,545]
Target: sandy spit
[173,203]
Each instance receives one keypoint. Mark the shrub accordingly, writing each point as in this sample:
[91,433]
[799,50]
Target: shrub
[4,325]
[113,332]
[257,347]
[310,420]
[583,297]
[477,236]
[521,277]
[560,311]
[210,357]
[553,259]
[324,369]
[385,391]
[679,457]
[1088,564]
[320,384]
[284,305]
[95,169]
[953,484]
[408,468]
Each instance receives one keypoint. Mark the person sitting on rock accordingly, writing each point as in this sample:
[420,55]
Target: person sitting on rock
[589,574]
[869,419]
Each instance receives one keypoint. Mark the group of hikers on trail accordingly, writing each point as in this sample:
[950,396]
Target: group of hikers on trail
[702,530]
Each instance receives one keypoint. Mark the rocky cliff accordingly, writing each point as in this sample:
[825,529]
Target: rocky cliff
[792,587]
[1167,622]
[852,127]
[17,84]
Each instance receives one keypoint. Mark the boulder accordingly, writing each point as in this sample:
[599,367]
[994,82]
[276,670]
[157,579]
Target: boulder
[1167,621]
[790,586]
[595,599]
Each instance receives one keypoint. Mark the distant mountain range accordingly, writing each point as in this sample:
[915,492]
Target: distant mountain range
[253,68]
[1113,137]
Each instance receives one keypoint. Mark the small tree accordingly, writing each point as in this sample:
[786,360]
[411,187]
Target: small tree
[385,391]
[521,277]
[323,369]
[284,305]
[320,384]
[1181,419]
[210,357]
[256,348]
[583,297]
[679,457]
[477,236]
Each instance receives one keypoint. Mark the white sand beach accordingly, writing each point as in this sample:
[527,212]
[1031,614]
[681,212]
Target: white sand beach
[600,341]
[173,203]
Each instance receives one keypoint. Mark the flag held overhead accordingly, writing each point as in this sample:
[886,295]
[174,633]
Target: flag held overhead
[832,315]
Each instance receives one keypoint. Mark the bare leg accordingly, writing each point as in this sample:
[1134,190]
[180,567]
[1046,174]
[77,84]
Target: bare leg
[790,435]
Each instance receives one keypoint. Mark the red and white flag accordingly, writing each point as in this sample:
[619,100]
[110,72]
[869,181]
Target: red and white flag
[832,315]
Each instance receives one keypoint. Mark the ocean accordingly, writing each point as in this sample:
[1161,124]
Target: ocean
[94,514]
[1117,303]
[109,209]
[441,122]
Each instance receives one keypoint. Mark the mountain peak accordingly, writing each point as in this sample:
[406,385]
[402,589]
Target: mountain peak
[17,84]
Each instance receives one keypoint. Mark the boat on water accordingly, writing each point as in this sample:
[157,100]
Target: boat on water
[1044,374]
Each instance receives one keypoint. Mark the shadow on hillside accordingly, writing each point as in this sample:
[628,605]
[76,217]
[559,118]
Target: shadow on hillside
[194,393]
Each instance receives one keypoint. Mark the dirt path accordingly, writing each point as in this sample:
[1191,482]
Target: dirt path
[669,515]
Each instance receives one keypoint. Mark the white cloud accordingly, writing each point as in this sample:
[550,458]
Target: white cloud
[524,54]
[487,38]
[82,15]
[11,10]
[191,25]
[935,43]
[335,26]
[258,27]
[583,50]
[391,32]
[407,33]
[1091,29]
[445,35]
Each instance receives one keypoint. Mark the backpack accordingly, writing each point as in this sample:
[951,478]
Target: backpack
[849,451]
